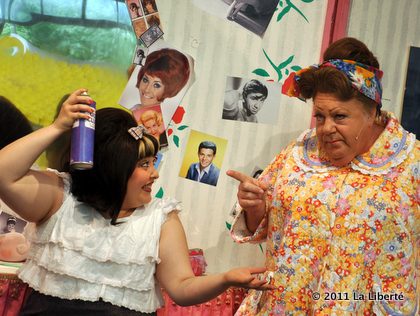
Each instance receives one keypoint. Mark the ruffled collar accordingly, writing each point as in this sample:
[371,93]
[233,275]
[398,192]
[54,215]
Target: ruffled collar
[389,150]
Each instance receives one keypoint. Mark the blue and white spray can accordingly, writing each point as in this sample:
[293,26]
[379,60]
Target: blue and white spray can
[82,141]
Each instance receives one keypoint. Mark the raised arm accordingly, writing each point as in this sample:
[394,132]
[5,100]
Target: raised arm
[175,274]
[251,197]
[36,195]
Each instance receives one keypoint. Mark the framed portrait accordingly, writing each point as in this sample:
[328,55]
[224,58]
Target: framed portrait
[251,100]
[152,34]
[150,116]
[203,158]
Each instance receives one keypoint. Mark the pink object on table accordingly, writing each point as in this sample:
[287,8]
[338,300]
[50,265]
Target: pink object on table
[226,304]
[12,294]
[198,263]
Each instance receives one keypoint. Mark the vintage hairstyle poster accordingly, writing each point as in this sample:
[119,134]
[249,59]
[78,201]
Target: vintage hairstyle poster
[163,80]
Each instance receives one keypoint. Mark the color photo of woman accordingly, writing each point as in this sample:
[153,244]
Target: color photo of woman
[162,81]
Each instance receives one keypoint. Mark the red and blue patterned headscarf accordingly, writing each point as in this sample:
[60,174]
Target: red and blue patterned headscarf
[365,79]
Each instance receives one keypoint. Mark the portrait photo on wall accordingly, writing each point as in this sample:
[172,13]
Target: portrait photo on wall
[254,15]
[203,158]
[150,116]
[164,78]
[153,19]
[139,26]
[152,34]
[10,223]
[251,100]
[135,9]
[410,118]
[139,55]
[143,15]
[149,6]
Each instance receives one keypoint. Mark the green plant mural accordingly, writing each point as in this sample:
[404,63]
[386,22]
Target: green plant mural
[287,5]
[283,66]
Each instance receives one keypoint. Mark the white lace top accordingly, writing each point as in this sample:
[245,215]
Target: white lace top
[78,254]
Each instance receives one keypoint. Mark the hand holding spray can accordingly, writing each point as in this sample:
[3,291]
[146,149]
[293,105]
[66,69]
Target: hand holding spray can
[82,141]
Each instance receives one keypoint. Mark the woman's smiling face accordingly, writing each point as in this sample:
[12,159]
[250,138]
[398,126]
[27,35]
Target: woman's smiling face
[139,185]
[151,90]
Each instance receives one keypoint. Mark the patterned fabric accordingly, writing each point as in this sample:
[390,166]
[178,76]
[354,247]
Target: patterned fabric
[340,233]
[365,79]
[77,254]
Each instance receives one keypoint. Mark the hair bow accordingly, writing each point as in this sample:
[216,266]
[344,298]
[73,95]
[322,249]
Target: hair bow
[364,78]
[137,131]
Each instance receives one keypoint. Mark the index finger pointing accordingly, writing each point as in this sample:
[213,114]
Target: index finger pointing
[241,177]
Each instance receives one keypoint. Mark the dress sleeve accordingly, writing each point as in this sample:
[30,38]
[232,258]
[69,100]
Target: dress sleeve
[66,181]
[240,232]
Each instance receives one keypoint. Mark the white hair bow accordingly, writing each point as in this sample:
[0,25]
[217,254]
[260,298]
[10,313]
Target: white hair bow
[137,131]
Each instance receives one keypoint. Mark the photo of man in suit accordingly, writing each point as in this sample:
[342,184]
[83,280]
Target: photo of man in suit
[204,170]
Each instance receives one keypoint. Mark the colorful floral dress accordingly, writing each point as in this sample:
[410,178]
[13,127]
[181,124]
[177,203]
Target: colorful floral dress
[339,238]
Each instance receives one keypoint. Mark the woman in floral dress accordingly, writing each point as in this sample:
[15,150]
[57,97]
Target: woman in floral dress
[338,207]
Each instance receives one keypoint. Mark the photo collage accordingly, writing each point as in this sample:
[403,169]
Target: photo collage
[160,77]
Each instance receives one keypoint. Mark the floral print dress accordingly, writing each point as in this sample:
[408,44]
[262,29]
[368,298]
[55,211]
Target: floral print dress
[339,238]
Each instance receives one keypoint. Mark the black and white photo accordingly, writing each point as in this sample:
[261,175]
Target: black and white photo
[152,34]
[251,100]
[254,15]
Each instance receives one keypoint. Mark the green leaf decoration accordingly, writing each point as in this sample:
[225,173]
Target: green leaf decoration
[228,225]
[289,6]
[261,72]
[296,68]
[286,62]
[287,71]
[176,140]
[182,127]
[283,13]
[261,248]
[159,194]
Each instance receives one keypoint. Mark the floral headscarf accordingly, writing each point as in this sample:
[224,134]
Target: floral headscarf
[365,79]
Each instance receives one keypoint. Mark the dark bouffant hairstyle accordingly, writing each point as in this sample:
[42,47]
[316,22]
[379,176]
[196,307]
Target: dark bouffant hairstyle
[116,155]
[13,124]
[170,66]
[208,145]
[331,80]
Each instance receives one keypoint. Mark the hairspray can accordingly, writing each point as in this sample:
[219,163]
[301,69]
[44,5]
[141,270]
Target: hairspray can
[82,141]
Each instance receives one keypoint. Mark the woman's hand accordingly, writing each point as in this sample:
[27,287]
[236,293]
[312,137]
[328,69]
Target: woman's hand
[251,197]
[251,192]
[75,107]
[247,278]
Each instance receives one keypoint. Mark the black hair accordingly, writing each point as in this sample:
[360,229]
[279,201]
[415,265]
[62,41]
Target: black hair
[116,154]
[13,124]
[254,86]
[209,145]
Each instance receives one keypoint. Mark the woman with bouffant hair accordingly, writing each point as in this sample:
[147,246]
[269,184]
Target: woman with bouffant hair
[153,122]
[165,73]
[101,244]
